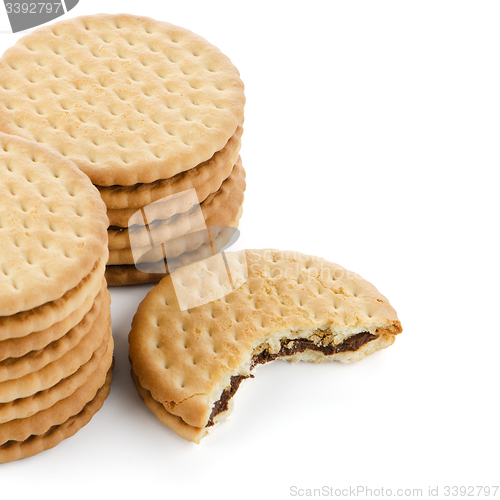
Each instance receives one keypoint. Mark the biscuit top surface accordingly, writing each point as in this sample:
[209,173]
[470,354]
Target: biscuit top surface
[181,354]
[53,225]
[127,98]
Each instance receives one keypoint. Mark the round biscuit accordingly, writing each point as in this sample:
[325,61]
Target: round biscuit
[206,178]
[129,99]
[52,225]
[20,346]
[186,359]
[47,315]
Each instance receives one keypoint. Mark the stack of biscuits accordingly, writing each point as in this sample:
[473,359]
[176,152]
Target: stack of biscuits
[56,348]
[148,111]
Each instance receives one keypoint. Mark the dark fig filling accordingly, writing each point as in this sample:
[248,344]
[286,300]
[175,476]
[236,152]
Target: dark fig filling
[288,348]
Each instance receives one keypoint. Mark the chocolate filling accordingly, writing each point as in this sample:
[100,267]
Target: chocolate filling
[288,348]
[221,405]
[291,347]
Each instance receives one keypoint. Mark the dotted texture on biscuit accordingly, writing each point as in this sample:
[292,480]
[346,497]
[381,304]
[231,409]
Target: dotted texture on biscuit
[127,98]
[206,178]
[186,358]
[53,225]
[47,315]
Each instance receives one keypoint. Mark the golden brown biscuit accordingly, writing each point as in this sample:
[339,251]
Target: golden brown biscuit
[52,225]
[121,275]
[60,368]
[39,423]
[13,368]
[20,346]
[173,422]
[47,315]
[129,99]
[292,306]
[221,205]
[15,450]
[25,407]
[206,178]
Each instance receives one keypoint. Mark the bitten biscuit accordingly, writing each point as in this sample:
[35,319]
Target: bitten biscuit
[291,306]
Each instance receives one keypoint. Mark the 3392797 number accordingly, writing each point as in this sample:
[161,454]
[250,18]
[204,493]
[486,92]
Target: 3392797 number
[470,491]
[33,8]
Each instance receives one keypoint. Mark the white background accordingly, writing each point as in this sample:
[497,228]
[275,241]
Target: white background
[371,139]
